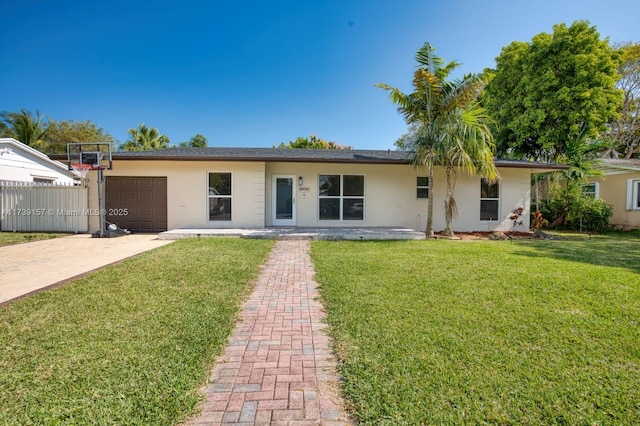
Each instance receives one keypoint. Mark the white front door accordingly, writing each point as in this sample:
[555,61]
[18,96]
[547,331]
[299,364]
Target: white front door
[283,200]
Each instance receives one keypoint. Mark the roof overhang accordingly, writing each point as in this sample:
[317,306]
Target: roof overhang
[294,155]
[615,166]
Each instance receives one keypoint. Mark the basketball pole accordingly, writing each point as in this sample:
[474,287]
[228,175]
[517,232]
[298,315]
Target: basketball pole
[101,202]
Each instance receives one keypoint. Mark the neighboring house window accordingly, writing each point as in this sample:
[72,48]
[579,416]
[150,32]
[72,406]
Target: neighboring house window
[633,194]
[219,196]
[341,197]
[489,200]
[591,190]
[422,187]
[43,180]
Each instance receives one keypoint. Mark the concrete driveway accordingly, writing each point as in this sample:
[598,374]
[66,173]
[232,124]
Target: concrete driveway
[29,267]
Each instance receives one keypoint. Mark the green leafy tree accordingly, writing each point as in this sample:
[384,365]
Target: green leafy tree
[312,142]
[544,93]
[449,127]
[196,141]
[24,127]
[60,133]
[625,130]
[145,138]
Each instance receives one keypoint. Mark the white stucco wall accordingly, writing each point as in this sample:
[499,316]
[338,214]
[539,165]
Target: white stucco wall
[19,162]
[187,189]
[390,194]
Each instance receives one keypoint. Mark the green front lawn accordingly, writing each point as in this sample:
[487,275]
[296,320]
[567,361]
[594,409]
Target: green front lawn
[502,332]
[10,238]
[129,344]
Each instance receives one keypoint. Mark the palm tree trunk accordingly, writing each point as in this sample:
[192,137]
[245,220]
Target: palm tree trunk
[449,204]
[429,231]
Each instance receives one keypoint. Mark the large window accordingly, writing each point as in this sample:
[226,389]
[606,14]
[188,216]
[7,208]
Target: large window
[489,200]
[633,194]
[219,196]
[422,187]
[341,197]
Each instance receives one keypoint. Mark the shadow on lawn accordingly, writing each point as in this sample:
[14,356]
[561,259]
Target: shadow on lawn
[599,250]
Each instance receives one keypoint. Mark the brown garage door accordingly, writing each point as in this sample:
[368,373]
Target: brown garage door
[137,203]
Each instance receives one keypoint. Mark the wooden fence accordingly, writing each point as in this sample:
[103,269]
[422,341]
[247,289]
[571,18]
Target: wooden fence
[41,207]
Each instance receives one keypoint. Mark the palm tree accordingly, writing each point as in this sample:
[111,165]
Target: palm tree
[452,128]
[144,139]
[24,127]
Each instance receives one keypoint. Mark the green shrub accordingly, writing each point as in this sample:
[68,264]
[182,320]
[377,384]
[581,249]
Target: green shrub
[572,210]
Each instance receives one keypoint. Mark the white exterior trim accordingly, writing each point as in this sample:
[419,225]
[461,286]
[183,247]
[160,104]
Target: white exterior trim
[21,163]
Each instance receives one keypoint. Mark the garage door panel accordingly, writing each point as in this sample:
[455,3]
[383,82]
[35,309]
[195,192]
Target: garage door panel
[130,197]
[143,197]
[147,197]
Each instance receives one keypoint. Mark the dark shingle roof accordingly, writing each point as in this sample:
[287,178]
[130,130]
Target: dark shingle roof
[362,156]
[266,154]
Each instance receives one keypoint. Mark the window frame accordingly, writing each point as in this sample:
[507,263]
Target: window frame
[422,187]
[596,190]
[341,198]
[219,196]
[496,199]
[633,194]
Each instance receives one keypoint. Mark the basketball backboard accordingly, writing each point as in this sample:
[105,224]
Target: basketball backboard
[96,155]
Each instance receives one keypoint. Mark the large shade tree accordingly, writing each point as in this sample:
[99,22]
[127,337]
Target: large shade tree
[145,138]
[450,128]
[625,130]
[543,94]
[60,133]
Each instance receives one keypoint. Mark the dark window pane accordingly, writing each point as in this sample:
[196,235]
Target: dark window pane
[487,190]
[353,209]
[219,208]
[329,185]
[489,209]
[423,181]
[353,185]
[423,193]
[638,195]
[329,209]
[219,183]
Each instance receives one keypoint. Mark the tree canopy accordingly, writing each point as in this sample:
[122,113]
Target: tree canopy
[145,138]
[50,137]
[24,127]
[60,133]
[312,142]
[545,93]
[197,141]
[625,130]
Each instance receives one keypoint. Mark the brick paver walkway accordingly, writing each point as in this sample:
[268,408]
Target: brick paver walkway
[277,368]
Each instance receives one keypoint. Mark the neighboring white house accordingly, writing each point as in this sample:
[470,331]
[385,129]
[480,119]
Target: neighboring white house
[21,163]
[154,191]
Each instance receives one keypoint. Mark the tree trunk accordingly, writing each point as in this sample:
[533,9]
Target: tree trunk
[429,231]
[449,204]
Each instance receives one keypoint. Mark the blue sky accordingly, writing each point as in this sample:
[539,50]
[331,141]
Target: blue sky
[257,73]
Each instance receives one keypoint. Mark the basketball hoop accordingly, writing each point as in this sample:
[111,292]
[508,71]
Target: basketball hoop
[81,169]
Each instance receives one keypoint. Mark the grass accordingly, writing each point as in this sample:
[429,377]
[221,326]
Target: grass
[10,238]
[486,332]
[129,344]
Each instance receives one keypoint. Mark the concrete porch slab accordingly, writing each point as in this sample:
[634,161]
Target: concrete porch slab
[299,233]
